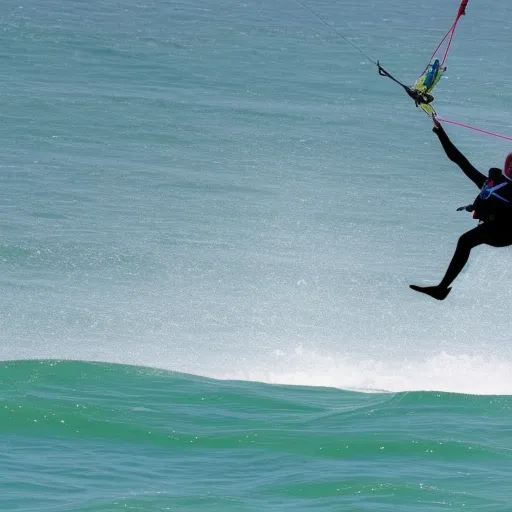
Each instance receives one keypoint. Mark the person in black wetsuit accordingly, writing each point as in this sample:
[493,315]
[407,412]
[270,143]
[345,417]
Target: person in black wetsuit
[492,207]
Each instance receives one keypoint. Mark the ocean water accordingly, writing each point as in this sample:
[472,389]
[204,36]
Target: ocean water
[211,213]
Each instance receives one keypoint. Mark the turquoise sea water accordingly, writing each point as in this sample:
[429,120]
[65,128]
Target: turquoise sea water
[82,436]
[214,210]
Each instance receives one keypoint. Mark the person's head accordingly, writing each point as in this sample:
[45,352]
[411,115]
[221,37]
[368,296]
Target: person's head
[507,170]
[495,173]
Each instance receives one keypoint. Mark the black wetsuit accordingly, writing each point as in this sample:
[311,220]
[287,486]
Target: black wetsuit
[492,207]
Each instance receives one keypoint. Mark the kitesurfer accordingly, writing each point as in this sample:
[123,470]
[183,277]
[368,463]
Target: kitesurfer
[492,207]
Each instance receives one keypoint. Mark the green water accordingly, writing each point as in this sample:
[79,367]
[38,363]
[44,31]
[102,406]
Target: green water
[99,437]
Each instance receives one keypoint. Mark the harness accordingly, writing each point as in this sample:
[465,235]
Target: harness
[488,191]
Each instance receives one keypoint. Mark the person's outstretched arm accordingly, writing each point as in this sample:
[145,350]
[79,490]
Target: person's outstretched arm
[456,156]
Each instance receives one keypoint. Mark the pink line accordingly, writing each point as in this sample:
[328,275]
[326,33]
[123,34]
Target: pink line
[439,46]
[451,33]
[473,128]
[450,41]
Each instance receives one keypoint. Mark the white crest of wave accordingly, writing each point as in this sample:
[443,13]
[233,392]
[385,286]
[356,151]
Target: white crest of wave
[470,374]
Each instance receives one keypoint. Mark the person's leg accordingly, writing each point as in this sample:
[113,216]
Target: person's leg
[467,241]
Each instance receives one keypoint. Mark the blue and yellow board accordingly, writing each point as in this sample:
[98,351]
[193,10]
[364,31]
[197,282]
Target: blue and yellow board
[427,81]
